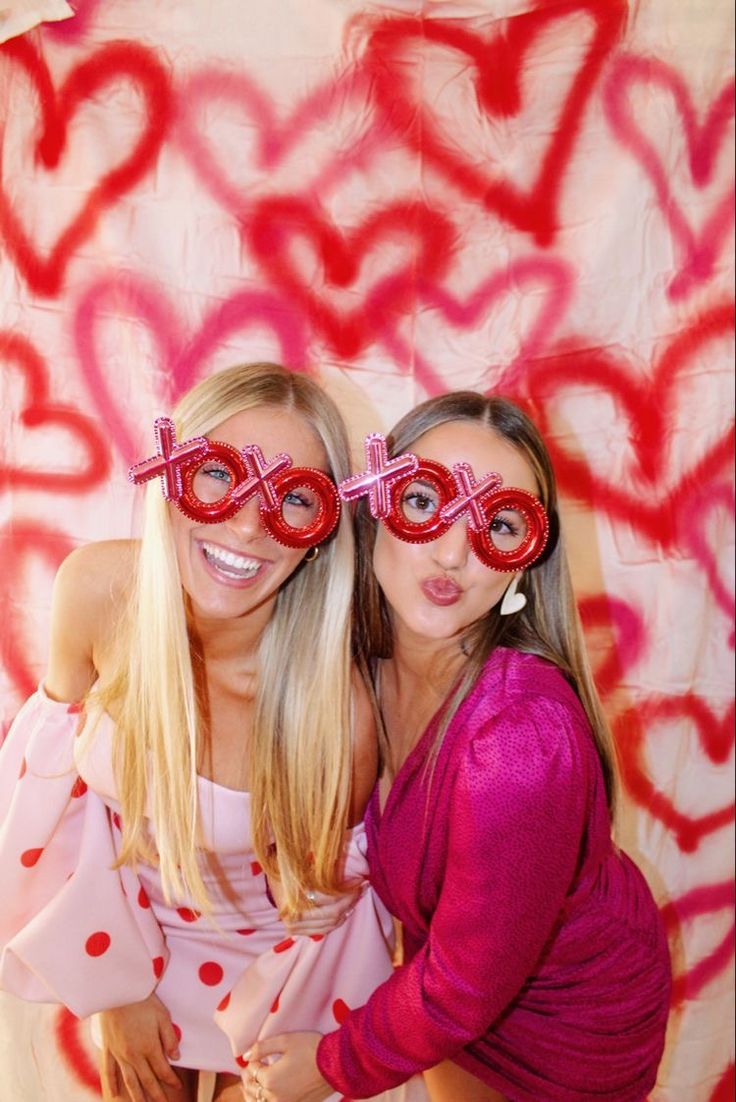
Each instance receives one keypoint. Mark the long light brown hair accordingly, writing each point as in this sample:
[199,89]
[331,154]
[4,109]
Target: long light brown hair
[549,625]
[301,744]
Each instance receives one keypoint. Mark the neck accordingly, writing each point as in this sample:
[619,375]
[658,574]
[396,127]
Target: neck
[414,682]
[225,641]
[433,661]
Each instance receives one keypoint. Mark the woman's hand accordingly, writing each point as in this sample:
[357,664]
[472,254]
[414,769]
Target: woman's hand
[292,1077]
[137,1043]
[326,912]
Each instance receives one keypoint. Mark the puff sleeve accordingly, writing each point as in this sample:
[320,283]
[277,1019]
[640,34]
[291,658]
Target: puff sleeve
[73,929]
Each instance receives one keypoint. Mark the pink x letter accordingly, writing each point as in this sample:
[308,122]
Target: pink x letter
[469,495]
[376,480]
[169,460]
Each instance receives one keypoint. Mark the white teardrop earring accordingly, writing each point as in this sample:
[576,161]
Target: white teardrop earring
[512,601]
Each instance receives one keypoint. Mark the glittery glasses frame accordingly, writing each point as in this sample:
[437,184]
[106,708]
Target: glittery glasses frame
[385,481]
[251,475]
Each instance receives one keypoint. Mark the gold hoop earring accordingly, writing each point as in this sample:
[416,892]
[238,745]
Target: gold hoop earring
[311,554]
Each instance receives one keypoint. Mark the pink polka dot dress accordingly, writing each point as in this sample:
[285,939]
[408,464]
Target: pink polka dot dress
[76,931]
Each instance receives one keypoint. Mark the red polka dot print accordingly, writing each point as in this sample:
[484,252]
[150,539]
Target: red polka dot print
[224,1003]
[74,708]
[30,857]
[97,943]
[211,973]
[158,967]
[246,932]
[255,868]
[186,914]
[275,1004]
[176,1030]
[143,900]
[241,1061]
[340,1011]
[283,945]
[78,788]
[317,937]
[117,820]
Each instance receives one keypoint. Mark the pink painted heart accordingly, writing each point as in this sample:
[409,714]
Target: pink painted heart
[38,414]
[680,918]
[615,638]
[639,486]
[23,542]
[400,51]
[352,259]
[699,249]
[76,1050]
[43,266]
[181,357]
[553,275]
[234,176]
[697,534]
[668,717]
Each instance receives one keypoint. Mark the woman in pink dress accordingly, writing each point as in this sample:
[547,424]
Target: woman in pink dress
[535,964]
[199,732]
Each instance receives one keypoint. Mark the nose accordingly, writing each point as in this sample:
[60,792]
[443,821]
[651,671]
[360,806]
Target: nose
[450,551]
[247,523]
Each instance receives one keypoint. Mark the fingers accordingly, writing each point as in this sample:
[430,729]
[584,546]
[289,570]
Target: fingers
[169,1041]
[163,1071]
[130,1084]
[268,1046]
[111,1082]
[143,1084]
[326,913]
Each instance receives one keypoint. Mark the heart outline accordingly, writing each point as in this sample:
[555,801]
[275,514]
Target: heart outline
[716,737]
[647,402]
[38,412]
[699,250]
[532,211]
[45,275]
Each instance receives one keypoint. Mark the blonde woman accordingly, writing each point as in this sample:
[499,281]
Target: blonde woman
[225,745]
[535,963]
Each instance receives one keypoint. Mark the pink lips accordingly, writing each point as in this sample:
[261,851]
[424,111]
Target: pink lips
[441,590]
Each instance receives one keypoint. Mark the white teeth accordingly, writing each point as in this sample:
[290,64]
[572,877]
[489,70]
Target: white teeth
[238,566]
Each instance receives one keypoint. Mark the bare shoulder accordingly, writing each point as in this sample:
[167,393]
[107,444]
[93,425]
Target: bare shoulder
[365,747]
[90,589]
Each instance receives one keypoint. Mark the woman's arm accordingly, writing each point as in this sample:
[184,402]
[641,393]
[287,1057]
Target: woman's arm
[85,608]
[137,1040]
[137,1043]
[514,830]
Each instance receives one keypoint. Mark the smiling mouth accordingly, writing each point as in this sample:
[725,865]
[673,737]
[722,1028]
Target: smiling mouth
[238,567]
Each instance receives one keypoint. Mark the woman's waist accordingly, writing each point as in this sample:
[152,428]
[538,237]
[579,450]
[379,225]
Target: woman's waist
[238,897]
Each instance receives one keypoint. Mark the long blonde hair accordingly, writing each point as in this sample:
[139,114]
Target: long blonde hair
[548,626]
[301,744]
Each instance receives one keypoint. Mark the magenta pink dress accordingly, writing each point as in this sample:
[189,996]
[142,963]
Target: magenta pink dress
[73,930]
[535,956]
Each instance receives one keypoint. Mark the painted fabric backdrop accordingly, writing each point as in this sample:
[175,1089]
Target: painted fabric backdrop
[403,199]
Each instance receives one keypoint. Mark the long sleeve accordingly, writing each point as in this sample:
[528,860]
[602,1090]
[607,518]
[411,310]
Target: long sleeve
[515,824]
[73,929]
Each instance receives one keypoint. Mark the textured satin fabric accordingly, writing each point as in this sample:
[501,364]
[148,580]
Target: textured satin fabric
[534,952]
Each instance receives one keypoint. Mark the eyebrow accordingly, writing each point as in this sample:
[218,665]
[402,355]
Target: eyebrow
[425,482]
